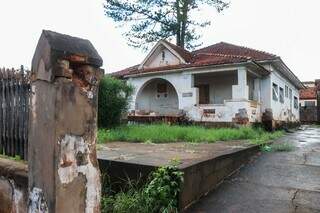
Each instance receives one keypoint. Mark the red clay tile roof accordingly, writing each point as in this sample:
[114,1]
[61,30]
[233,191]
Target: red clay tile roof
[308,93]
[217,54]
[231,49]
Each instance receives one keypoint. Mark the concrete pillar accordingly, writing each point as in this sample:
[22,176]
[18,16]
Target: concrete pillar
[63,169]
[188,93]
[241,90]
[257,89]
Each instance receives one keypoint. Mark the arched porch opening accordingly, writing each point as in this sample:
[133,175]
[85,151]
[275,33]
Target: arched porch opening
[157,97]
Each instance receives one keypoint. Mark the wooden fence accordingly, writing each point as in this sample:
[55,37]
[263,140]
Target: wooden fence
[14,112]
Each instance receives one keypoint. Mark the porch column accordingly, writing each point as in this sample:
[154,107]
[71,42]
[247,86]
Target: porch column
[189,93]
[257,89]
[241,90]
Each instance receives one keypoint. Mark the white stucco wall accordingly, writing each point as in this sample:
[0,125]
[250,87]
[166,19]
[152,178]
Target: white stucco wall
[157,59]
[284,111]
[266,93]
[230,91]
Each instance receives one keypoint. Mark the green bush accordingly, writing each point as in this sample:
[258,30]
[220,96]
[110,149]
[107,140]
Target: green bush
[114,96]
[160,194]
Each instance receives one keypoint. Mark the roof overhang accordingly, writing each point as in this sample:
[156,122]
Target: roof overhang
[285,70]
[250,64]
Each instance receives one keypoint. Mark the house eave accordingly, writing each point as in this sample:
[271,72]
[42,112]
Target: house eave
[247,63]
[285,70]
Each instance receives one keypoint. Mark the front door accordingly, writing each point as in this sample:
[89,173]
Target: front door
[204,94]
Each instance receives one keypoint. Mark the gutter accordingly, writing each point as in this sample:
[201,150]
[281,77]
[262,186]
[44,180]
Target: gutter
[196,67]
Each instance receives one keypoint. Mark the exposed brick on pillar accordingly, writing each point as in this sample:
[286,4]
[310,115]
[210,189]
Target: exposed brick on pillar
[63,169]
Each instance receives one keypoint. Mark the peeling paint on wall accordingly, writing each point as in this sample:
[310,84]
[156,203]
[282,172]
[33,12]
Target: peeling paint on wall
[17,197]
[75,160]
[37,201]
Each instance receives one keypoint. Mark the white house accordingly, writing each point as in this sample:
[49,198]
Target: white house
[218,83]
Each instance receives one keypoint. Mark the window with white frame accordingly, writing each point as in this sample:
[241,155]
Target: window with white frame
[295,103]
[281,95]
[275,92]
[309,103]
[286,91]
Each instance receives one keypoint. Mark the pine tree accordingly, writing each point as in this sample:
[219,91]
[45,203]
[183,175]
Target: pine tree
[148,21]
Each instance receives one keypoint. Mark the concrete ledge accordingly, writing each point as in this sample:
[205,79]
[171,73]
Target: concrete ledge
[13,186]
[205,166]
[14,170]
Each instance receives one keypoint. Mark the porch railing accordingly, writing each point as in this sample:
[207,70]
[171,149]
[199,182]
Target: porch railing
[14,112]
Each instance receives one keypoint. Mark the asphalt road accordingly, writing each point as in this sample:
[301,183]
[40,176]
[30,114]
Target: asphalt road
[273,182]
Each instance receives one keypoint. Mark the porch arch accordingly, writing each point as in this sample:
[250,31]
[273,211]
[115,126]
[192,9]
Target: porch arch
[159,96]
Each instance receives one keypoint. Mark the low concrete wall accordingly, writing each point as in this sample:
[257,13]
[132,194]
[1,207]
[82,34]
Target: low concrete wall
[13,186]
[200,176]
[203,177]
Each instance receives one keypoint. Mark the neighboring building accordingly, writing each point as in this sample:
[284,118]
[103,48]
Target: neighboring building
[308,96]
[308,103]
[219,83]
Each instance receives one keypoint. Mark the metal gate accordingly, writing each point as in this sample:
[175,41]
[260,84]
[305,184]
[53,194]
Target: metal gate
[14,112]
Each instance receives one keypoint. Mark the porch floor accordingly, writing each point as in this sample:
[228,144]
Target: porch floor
[155,118]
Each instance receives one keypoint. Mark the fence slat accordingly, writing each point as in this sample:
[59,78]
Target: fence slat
[14,109]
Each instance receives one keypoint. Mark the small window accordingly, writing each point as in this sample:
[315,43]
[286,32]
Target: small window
[309,103]
[163,54]
[286,91]
[275,92]
[281,95]
[162,88]
[295,103]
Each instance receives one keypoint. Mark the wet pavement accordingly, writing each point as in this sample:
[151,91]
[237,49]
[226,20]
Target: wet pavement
[273,182]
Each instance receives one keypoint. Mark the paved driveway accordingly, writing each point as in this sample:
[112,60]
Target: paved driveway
[273,182]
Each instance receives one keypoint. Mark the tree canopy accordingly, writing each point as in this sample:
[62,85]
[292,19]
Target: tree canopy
[148,21]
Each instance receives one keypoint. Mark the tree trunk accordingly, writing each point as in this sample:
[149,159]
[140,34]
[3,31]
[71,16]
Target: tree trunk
[178,30]
[184,22]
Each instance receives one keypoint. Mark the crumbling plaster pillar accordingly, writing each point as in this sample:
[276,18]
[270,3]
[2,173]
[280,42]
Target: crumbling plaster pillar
[64,174]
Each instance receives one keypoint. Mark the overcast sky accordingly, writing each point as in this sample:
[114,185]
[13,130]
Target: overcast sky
[288,28]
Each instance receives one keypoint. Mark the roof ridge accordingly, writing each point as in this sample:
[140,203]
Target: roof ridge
[249,48]
[239,46]
[224,55]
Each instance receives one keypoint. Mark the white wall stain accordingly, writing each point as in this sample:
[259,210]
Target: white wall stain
[37,202]
[17,198]
[68,170]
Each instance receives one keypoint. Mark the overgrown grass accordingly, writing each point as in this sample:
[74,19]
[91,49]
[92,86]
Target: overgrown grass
[158,195]
[162,133]
[15,158]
